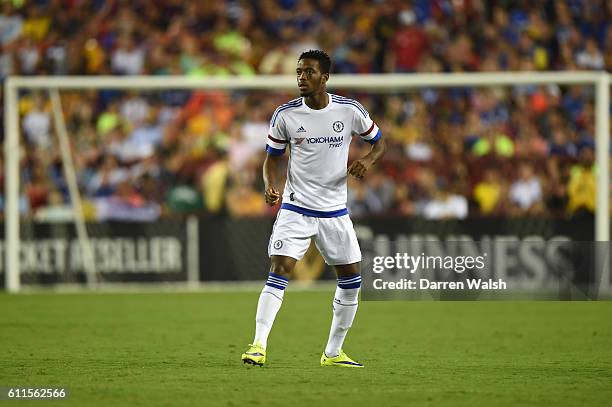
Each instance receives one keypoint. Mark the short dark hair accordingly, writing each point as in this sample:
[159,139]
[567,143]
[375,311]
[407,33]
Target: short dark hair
[321,56]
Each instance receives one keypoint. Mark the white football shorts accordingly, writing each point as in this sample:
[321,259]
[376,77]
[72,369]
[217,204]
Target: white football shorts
[334,237]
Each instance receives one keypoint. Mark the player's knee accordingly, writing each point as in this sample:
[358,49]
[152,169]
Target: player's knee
[348,270]
[282,269]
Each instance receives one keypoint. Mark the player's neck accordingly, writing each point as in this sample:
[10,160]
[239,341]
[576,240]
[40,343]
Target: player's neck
[317,101]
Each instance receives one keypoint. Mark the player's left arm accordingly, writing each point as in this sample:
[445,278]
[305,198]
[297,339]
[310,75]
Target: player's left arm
[369,132]
[359,167]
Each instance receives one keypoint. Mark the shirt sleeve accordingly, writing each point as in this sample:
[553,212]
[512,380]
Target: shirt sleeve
[277,140]
[364,126]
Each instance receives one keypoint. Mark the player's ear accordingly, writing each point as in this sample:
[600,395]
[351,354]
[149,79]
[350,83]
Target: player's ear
[325,77]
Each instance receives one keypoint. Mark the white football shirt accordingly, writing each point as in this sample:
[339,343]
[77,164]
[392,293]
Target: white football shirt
[319,145]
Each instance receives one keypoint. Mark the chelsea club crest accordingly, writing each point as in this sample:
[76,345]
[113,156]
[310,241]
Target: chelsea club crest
[338,126]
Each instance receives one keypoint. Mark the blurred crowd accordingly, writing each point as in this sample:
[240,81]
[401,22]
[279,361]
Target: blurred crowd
[514,151]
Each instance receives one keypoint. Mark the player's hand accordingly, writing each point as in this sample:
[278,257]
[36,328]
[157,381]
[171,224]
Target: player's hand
[359,168]
[272,196]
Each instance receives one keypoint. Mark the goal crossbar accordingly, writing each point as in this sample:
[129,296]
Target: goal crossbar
[288,82]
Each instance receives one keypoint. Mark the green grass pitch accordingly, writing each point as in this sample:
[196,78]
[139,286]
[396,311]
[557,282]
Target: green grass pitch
[184,349]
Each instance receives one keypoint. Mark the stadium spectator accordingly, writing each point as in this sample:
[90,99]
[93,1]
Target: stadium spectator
[127,58]
[590,57]
[56,210]
[37,124]
[526,192]
[409,44]
[445,204]
[38,187]
[126,204]
[11,24]
[107,177]
[582,185]
[242,198]
[382,189]
[278,61]
[489,193]
[402,204]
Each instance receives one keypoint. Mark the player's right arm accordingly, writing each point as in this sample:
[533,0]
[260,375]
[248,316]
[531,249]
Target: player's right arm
[270,176]
[276,144]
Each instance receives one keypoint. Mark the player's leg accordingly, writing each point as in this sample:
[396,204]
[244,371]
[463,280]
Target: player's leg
[289,241]
[338,244]
[271,297]
[346,301]
[270,301]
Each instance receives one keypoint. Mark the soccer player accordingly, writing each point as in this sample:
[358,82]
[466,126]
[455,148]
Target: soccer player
[318,128]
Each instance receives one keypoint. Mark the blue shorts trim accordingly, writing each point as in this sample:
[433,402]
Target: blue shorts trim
[314,214]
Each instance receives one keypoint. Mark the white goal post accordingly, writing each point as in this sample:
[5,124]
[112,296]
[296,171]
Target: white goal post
[12,85]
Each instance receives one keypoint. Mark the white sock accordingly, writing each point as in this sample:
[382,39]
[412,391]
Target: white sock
[345,307]
[270,301]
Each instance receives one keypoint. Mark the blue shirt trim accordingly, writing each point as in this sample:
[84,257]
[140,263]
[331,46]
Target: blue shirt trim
[342,102]
[289,105]
[314,214]
[274,151]
[375,138]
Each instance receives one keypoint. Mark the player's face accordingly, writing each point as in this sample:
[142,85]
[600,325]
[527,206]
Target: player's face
[309,77]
